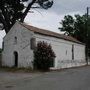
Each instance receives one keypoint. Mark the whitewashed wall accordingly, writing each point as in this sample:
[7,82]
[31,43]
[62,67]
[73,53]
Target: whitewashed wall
[62,49]
[25,54]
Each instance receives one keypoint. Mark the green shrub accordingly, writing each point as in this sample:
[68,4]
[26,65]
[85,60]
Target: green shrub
[43,56]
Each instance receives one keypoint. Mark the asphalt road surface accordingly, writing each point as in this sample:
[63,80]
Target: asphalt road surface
[69,79]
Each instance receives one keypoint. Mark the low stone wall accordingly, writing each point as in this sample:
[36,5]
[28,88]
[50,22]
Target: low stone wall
[71,63]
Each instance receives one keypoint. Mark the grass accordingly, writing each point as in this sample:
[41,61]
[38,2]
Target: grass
[15,69]
[30,70]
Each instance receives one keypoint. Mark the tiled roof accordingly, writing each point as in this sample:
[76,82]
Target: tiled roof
[50,33]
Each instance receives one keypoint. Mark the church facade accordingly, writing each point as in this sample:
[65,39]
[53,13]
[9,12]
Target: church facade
[19,43]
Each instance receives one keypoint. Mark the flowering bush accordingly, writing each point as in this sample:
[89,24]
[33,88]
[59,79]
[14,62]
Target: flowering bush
[43,56]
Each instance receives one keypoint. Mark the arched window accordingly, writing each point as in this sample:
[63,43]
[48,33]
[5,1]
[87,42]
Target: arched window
[72,52]
[3,45]
[33,43]
[15,40]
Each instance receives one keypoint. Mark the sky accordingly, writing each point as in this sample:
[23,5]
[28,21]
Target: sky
[49,19]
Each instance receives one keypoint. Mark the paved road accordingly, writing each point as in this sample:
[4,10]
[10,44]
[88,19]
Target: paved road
[70,79]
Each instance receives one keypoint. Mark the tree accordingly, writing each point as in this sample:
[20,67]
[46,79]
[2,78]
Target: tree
[43,56]
[13,10]
[76,27]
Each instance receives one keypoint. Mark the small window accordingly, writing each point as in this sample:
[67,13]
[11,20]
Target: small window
[33,43]
[66,52]
[3,45]
[72,52]
[15,40]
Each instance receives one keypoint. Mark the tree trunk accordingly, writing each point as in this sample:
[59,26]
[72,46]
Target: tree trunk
[27,10]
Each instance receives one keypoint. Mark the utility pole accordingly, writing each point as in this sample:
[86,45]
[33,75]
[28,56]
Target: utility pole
[87,35]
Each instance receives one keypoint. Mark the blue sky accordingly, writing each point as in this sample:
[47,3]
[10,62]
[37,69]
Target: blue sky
[49,19]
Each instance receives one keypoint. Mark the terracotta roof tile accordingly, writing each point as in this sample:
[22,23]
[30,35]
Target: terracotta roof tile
[50,33]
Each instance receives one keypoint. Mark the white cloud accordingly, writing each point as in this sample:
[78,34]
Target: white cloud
[66,6]
[49,21]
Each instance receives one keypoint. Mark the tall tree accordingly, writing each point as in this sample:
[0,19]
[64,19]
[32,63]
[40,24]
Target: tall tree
[13,10]
[76,27]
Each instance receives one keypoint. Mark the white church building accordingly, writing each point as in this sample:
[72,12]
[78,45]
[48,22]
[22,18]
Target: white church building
[20,41]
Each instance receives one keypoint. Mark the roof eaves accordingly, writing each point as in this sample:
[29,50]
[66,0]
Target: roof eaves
[52,35]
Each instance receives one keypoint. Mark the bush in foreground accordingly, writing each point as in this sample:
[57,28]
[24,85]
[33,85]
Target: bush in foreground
[43,56]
